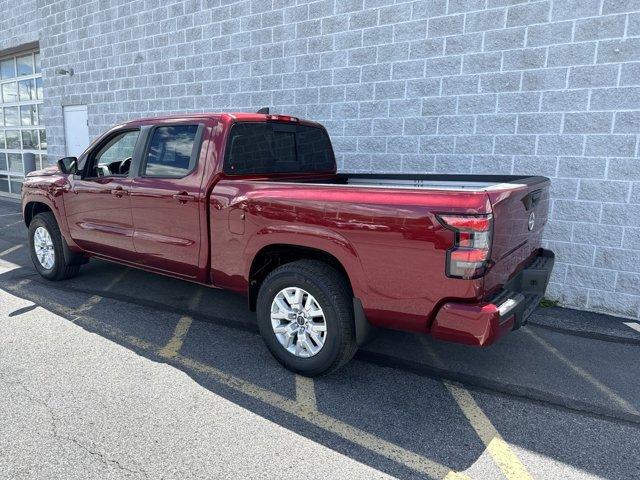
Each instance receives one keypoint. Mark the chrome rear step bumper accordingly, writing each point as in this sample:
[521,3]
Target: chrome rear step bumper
[522,294]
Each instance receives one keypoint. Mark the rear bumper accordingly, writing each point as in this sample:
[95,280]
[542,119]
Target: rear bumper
[484,323]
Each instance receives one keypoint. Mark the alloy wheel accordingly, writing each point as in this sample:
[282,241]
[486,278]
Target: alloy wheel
[43,246]
[298,322]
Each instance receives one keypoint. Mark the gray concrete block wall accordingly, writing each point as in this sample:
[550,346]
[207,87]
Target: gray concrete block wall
[19,23]
[547,87]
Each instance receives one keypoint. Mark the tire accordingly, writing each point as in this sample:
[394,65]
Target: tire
[331,292]
[60,269]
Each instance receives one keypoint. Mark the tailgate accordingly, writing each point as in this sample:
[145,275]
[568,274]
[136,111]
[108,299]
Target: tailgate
[519,215]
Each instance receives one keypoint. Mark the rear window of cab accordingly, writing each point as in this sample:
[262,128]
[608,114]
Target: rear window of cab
[271,147]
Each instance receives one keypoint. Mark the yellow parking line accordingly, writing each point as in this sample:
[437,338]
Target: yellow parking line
[174,345]
[12,224]
[172,348]
[117,279]
[456,476]
[9,250]
[633,325]
[583,373]
[22,283]
[306,393]
[88,305]
[499,450]
[18,289]
[348,432]
[95,299]
[334,426]
[507,461]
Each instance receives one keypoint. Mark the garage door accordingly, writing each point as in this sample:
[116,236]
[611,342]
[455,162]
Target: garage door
[21,127]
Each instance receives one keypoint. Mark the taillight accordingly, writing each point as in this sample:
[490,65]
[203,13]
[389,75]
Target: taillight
[469,255]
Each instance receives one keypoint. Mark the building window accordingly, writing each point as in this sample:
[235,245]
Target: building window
[21,128]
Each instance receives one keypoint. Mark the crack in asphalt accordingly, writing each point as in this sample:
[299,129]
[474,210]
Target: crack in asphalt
[54,424]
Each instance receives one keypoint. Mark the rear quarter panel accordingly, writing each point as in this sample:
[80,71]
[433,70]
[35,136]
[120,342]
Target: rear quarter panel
[389,241]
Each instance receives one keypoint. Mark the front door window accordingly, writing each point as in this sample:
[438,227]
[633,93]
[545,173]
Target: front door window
[114,158]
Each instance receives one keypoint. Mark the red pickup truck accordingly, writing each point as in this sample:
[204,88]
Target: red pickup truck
[252,203]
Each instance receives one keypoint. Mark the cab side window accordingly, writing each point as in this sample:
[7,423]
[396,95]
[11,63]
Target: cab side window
[173,151]
[114,157]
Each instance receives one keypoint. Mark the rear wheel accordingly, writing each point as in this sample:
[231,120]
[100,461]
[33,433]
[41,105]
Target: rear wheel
[46,248]
[305,315]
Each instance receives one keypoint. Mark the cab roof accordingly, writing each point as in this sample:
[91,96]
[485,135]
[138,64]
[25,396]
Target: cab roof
[228,117]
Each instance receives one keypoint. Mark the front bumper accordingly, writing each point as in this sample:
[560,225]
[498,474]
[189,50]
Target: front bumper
[484,323]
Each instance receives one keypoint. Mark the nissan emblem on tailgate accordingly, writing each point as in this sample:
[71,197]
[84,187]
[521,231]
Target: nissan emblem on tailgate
[532,220]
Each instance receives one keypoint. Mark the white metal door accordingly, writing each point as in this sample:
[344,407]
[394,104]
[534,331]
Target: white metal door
[76,129]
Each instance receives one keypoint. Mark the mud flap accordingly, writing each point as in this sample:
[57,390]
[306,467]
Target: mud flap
[72,258]
[365,332]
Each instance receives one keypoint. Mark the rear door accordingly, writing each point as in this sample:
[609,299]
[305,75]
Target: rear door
[520,212]
[167,201]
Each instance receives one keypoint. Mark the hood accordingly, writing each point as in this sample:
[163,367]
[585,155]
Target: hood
[45,172]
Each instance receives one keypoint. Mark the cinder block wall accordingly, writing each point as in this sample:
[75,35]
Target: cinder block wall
[547,87]
[19,23]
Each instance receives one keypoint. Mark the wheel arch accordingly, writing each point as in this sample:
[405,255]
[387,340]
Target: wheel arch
[272,256]
[33,208]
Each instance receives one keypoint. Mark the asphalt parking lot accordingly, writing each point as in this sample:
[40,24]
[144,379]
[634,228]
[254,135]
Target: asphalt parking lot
[119,373]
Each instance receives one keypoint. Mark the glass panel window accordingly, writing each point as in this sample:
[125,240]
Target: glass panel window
[25,65]
[11,117]
[171,151]
[16,185]
[10,92]
[13,139]
[29,139]
[7,69]
[273,148]
[114,158]
[27,90]
[15,162]
[28,115]
[39,88]
[21,126]
[43,140]
[4,183]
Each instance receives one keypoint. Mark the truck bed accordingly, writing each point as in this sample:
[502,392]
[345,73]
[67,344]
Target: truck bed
[512,199]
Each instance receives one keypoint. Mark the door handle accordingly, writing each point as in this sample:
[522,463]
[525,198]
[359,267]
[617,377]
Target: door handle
[243,208]
[118,191]
[183,197]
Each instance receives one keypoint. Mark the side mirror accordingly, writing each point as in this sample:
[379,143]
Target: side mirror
[68,165]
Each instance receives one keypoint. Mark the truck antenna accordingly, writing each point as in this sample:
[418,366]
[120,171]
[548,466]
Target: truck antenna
[264,110]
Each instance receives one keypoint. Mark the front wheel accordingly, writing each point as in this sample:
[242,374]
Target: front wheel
[305,315]
[47,251]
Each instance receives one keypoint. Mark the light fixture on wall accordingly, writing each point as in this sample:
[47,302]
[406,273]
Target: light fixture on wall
[62,71]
